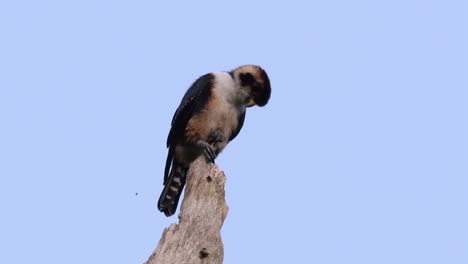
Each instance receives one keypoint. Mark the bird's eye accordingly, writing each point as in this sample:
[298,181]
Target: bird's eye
[246,78]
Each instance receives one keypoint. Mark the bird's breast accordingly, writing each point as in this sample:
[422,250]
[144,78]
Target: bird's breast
[219,115]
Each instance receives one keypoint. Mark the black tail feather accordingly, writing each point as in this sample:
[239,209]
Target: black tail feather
[172,191]
[170,157]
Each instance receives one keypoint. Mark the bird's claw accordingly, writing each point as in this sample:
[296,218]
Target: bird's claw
[208,150]
[210,154]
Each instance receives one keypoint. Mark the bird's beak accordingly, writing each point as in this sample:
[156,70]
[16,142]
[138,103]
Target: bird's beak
[251,102]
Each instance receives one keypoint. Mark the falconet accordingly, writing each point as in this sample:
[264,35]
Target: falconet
[210,115]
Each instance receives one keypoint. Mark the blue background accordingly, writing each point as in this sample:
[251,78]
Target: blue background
[361,155]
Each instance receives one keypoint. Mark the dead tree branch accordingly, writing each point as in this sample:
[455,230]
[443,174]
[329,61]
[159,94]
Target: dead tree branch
[197,237]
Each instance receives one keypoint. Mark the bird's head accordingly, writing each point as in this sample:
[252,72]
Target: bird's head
[254,83]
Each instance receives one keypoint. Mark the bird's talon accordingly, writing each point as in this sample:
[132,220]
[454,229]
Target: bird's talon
[210,153]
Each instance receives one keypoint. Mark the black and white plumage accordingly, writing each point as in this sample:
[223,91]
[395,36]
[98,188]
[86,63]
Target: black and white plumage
[210,115]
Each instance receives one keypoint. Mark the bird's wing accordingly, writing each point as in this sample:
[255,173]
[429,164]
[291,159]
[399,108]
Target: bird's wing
[240,123]
[193,101]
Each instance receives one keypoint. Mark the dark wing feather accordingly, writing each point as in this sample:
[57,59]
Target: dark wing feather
[193,101]
[240,123]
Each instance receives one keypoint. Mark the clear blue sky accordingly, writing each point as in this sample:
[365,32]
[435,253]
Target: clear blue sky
[361,156]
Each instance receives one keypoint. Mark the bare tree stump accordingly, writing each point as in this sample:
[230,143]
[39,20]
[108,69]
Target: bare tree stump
[197,237]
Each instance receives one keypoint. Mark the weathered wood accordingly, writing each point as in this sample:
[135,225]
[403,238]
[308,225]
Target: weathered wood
[197,237]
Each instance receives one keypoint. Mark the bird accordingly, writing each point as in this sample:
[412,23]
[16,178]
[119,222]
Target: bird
[210,115]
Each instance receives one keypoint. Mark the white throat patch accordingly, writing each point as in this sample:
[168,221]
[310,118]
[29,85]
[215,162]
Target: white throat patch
[225,87]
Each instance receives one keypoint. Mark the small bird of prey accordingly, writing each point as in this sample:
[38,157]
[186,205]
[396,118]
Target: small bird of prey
[210,115]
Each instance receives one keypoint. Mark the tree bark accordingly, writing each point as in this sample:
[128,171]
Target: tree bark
[197,237]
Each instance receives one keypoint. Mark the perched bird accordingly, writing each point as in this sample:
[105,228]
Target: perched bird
[210,115]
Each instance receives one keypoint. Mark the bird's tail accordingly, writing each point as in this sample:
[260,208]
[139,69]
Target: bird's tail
[172,189]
